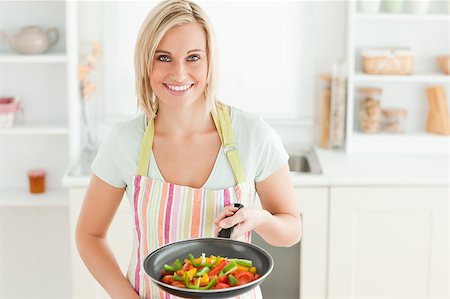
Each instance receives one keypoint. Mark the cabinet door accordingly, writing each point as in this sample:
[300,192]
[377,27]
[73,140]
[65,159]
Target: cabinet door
[120,238]
[388,243]
[313,203]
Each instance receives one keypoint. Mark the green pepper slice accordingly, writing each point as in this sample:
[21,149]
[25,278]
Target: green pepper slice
[191,258]
[177,277]
[175,266]
[245,263]
[232,280]
[242,262]
[202,272]
[210,284]
[232,266]
[203,261]
[216,261]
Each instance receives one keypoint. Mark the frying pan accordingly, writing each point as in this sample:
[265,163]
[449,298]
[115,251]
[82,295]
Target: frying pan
[221,246]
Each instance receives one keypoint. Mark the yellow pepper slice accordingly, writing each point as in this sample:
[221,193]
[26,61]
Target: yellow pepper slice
[191,273]
[204,281]
[253,270]
[242,269]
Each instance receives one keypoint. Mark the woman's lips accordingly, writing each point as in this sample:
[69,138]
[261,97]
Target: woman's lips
[178,92]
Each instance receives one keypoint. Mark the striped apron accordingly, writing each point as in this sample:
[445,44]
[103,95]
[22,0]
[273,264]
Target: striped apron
[164,213]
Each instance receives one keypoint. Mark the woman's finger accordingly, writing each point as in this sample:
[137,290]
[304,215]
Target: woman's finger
[226,212]
[238,217]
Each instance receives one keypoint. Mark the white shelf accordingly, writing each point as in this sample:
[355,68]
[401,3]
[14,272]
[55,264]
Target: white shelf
[36,128]
[390,30]
[42,58]
[412,142]
[402,17]
[23,198]
[432,77]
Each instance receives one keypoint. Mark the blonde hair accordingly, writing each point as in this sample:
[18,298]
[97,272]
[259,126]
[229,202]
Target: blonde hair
[163,17]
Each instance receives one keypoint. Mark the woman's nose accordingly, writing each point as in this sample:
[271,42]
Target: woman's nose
[179,71]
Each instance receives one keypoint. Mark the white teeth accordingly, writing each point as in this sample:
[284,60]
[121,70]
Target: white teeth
[179,88]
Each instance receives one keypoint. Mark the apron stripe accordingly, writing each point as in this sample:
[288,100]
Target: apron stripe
[138,231]
[167,220]
[162,206]
[196,213]
[145,226]
[202,214]
[174,215]
[187,200]
[226,200]
[208,226]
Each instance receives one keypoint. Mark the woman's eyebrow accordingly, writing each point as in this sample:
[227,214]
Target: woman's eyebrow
[167,52]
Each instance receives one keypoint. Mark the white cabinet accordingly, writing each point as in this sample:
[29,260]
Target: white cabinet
[305,261]
[427,35]
[120,238]
[388,242]
[313,203]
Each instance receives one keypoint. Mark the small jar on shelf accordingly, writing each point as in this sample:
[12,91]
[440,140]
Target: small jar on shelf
[394,120]
[36,179]
[369,110]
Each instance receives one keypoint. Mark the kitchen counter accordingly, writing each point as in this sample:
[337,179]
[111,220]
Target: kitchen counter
[339,169]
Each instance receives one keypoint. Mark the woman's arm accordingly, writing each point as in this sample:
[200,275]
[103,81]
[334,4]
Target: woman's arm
[278,222]
[99,207]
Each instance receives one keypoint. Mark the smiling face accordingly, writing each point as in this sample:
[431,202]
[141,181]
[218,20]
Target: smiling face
[180,66]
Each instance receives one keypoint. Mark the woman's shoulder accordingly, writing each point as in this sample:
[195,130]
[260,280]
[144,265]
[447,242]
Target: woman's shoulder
[247,124]
[244,119]
[129,128]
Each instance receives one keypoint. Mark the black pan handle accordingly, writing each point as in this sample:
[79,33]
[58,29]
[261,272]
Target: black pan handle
[226,232]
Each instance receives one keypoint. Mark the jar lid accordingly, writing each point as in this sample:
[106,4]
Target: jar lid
[370,90]
[36,173]
[394,112]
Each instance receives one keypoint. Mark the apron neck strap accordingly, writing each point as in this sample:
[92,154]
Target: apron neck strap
[146,149]
[223,124]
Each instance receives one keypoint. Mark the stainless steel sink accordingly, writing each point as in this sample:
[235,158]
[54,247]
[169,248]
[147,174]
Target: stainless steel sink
[304,162]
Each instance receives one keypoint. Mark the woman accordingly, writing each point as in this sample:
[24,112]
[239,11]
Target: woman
[185,161]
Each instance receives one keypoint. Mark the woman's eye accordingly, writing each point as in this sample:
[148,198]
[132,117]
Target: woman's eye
[193,58]
[164,58]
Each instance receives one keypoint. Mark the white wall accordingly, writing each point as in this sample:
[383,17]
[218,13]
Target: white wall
[321,42]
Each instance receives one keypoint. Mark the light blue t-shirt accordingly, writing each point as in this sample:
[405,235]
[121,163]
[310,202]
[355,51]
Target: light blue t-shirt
[260,150]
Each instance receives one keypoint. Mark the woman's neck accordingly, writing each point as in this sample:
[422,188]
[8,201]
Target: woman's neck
[184,121]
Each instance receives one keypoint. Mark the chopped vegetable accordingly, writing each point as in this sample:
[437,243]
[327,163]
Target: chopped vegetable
[231,280]
[204,273]
[175,266]
[231,267]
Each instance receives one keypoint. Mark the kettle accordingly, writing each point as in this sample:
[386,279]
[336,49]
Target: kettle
[33,40]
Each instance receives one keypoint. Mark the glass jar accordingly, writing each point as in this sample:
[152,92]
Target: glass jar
[37,181]
[324,110]
[369,110]
[394,120]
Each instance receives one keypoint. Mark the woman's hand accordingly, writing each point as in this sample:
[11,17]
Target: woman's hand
[245,219]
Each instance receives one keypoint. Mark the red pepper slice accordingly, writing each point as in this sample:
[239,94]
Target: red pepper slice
[244,277]
[223,279]
[216,270]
